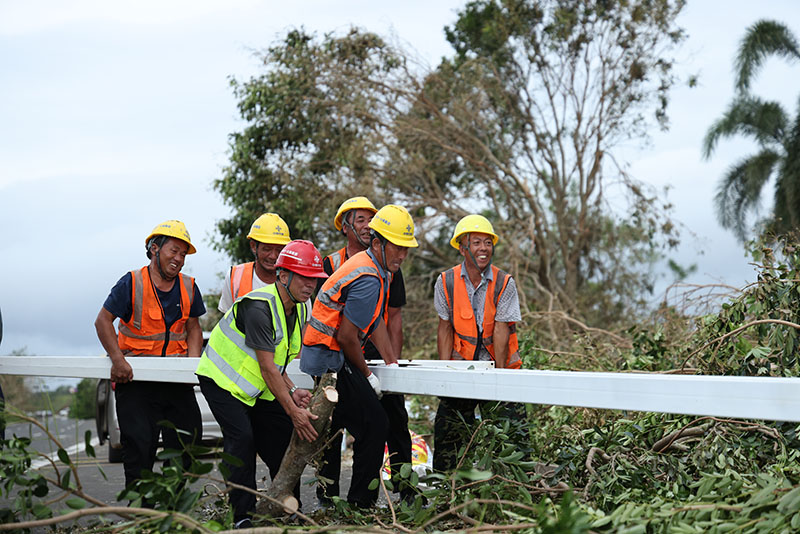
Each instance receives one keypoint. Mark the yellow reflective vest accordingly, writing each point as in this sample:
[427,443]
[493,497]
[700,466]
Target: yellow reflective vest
[233,366]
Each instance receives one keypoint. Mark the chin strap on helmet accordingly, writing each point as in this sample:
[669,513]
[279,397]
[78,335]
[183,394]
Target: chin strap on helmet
[287,284]
[348,221]
[472,256]
[155,240]
[379,237]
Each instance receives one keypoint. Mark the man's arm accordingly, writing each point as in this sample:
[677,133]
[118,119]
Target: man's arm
[348,340]
[194,337]
[121,370]
[444,339]
[500,339]
[395,328]
[301,418]
[382,340]
[225,298]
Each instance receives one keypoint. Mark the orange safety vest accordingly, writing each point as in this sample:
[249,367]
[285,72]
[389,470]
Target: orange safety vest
[326,316]
[338,258]
[462,318]
[242,279]
[145,333]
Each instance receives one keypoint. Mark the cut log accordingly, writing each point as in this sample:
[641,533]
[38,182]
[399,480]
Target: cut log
[300,452]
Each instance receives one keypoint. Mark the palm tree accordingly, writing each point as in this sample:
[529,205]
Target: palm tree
[775,132]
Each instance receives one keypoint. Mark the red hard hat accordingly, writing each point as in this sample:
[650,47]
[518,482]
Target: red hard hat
[301,257]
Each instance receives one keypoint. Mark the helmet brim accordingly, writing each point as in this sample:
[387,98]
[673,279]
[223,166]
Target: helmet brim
[191,250]
[308,274]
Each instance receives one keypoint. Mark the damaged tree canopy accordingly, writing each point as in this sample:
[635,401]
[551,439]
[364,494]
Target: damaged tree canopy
[522,123]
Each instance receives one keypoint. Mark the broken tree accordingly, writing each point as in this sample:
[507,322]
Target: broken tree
[300,452]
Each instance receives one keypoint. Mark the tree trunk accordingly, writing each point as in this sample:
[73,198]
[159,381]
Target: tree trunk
[301,452]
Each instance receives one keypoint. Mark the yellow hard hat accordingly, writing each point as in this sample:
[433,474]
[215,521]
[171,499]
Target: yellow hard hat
[354,203]
[270,228]
[172,228]
[395,224]
[469,224]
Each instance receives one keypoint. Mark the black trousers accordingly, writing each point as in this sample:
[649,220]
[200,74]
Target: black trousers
[140,406]
[361,413]
[262,429]
[398,441]
[450,433]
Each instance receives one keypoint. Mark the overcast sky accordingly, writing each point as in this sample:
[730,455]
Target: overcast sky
[115,116]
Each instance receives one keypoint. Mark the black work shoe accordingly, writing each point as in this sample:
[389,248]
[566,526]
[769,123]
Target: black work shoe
[243,523]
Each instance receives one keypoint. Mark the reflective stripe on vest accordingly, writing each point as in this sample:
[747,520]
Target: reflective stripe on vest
[233,365]
[465,328]
[144,334]
[326,316]
[338,258]
[242,279]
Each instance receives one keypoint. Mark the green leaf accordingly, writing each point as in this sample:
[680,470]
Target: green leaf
[89,448]
[165,524]
[473,474]
[790,502]
[41,511]
[169,454]
[75,503]
[64,457]
[405,470]
[373,484]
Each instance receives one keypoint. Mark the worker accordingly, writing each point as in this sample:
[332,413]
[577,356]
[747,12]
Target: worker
[350,309]
[268,235]
[242,372]
[158,310]
[352,219]
[478,308]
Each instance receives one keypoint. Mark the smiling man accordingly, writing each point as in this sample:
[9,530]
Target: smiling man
[352,219]
[268,235]
[478,309]
[158,309]
[350,310]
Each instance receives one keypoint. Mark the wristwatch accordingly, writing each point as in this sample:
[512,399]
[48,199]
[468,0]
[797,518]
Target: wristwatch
[291,391]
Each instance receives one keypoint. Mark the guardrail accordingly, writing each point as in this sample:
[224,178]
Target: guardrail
[767,398]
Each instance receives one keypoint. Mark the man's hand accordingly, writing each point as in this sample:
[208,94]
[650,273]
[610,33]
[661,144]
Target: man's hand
[301,419]
[121,371]
[301,397]
[375,383]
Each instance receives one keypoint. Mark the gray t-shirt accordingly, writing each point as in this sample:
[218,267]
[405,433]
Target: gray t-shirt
[507,304]
[254,319]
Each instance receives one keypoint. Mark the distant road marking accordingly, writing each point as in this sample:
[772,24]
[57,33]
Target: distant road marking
[78,447]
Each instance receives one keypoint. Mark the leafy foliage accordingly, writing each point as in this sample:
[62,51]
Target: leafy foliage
[757,333]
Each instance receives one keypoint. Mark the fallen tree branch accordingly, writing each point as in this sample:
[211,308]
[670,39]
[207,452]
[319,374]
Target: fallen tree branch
[301,452]
[184,520]
[667,441]
[590,458]
[736,331]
